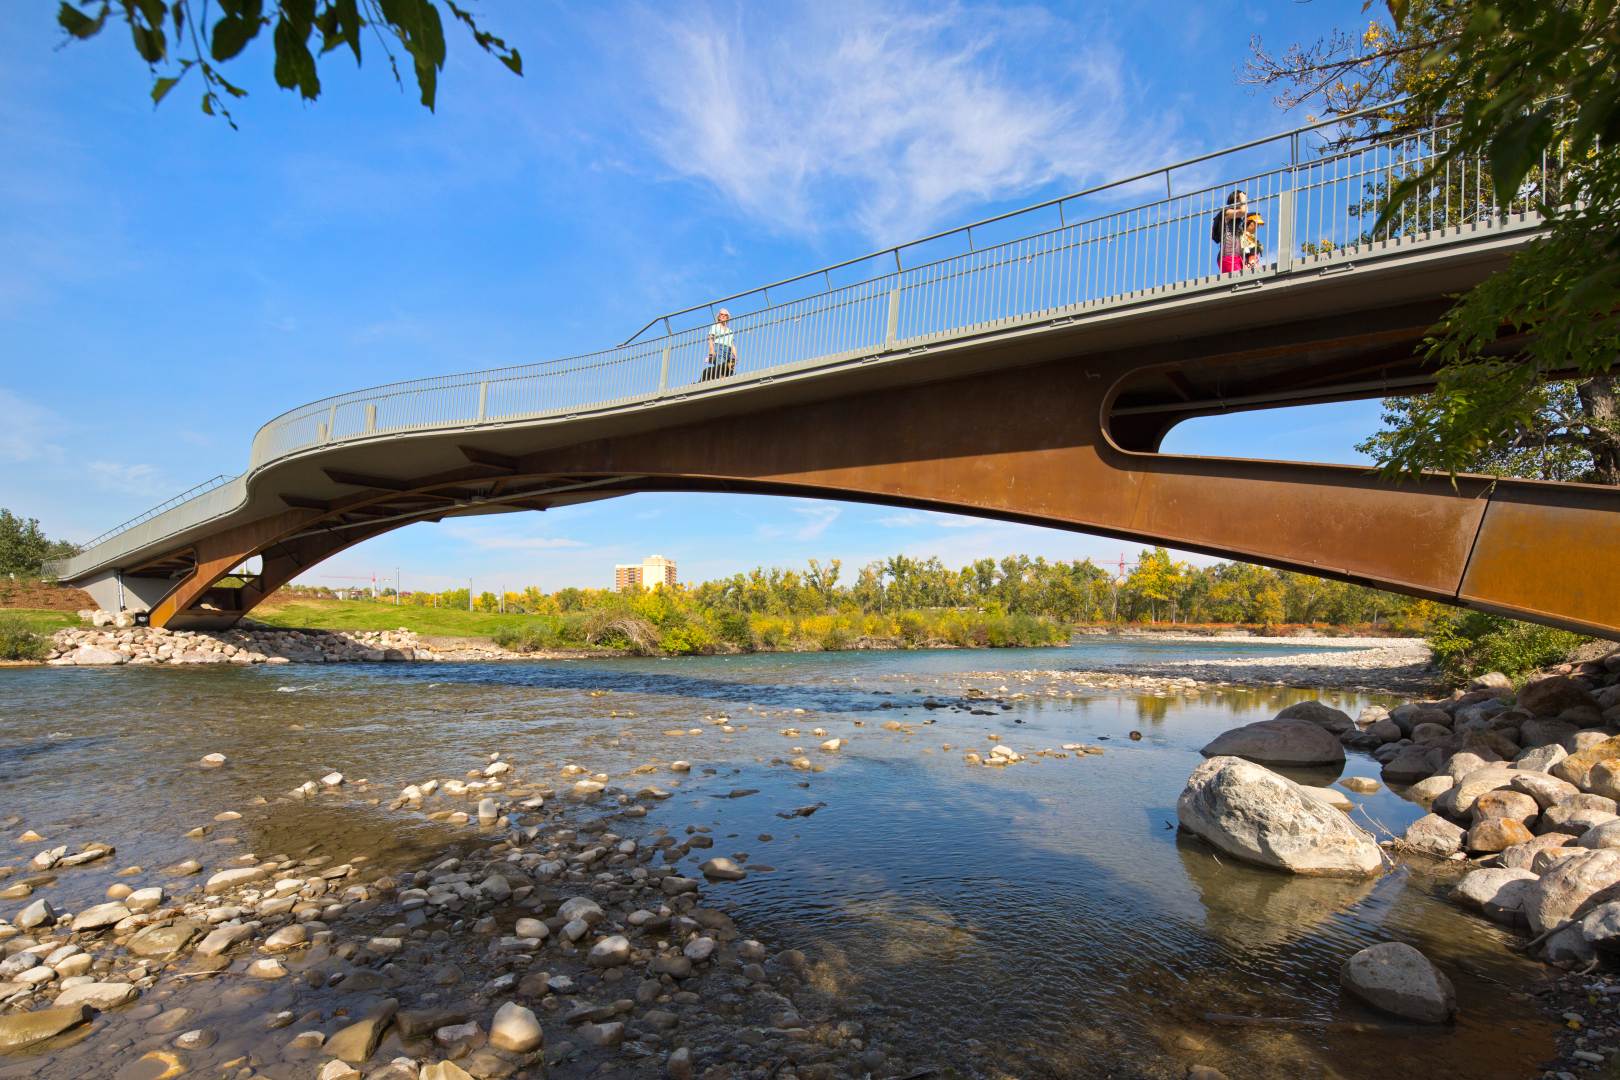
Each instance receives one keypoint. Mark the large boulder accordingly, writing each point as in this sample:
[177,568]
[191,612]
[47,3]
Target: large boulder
[1523,856]
[1279,742]
[1424,792]
[1430,734]
[1572,818]
[1412,763]
[1498,894]
[1545,789]
[1577,767]
[1496,834]
[1601,927]
[1458,800]
[1323,716]
[1505,803]
[1253,814]
[1552,695]
[1545,731]
[1398,979]
[1568,886]
[23,1029]
[1434,835]
[1604,779]
[1540,758]
[1494,681]
[1463,762]
[1606,835]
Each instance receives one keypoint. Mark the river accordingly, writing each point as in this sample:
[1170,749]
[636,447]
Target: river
[1039,920]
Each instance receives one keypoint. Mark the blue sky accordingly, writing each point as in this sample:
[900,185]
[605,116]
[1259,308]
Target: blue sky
[170,284]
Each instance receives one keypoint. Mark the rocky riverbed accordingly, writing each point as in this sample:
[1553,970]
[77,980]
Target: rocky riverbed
[557,939]
[1522,785]
[142,645]
[956,881]
[1364,665]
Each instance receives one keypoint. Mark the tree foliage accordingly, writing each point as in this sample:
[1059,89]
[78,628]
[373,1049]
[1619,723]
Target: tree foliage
[915,599]
[24,547]
[1528,89]
[177,38]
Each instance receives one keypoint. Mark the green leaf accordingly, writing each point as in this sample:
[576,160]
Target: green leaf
[149,42]
[161,87]
[1516,147]
[420,31]
[77,23]
[231,36]
[295,67]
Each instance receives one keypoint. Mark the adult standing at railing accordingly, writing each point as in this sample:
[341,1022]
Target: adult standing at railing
[722,350]
[1227,231]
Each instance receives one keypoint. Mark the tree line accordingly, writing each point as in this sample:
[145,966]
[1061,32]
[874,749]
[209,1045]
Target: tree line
[1157,589]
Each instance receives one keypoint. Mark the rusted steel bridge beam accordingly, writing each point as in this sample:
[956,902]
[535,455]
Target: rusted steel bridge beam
[1030,444]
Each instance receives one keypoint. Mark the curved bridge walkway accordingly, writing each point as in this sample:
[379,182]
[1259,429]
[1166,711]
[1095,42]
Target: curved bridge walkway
[1025,368]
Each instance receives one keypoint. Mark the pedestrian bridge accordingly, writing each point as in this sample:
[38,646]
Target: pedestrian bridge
[1024,368]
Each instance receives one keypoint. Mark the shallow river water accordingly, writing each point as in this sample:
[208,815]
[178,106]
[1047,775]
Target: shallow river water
[1043,919]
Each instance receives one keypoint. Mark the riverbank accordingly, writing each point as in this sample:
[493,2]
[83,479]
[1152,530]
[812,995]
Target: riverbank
[1522,828]
[1362,665]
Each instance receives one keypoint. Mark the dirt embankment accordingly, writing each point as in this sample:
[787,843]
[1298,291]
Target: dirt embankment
[42,597]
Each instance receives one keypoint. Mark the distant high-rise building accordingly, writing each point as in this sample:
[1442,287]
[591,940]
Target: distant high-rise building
[653,572]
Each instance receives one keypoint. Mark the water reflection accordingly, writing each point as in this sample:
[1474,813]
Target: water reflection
[1038,920]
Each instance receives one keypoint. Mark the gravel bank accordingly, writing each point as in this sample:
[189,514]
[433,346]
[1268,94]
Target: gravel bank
[1373,665]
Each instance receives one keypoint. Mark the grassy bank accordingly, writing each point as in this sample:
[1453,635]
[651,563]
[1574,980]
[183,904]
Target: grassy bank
[367,615]
[40,620]
[660,628]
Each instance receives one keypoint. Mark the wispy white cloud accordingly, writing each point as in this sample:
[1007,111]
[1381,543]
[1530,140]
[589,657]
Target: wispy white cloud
[817,517]
[29,431]
[484,540]
[912,519]
[884,120]
[134,477]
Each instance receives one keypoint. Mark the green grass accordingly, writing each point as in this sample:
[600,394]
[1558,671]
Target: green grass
[41,620]
[365,615]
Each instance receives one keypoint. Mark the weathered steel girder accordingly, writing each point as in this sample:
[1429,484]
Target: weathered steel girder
[1037,444]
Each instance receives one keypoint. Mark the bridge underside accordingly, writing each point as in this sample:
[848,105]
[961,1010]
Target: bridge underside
[1066,441]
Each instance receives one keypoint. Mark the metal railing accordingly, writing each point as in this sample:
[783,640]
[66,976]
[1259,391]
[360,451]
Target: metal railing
[1066,257]
[185,496]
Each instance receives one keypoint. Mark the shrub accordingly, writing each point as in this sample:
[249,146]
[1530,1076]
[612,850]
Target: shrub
[1469,643]
[18,641]
[770,631]
[910,629]
[542,632]
[731,627]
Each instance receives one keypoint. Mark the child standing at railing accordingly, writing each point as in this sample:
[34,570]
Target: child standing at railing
[1250,240]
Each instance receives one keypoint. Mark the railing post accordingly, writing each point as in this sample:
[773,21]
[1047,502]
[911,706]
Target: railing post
[1285,227]
[663,371]
[483,400]
[894,314]
[371,418]
[331,422]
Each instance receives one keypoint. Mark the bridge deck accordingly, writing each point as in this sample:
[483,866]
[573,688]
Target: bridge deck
[1332,312]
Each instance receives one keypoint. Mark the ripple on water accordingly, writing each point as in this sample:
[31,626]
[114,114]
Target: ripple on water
[1043,920]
